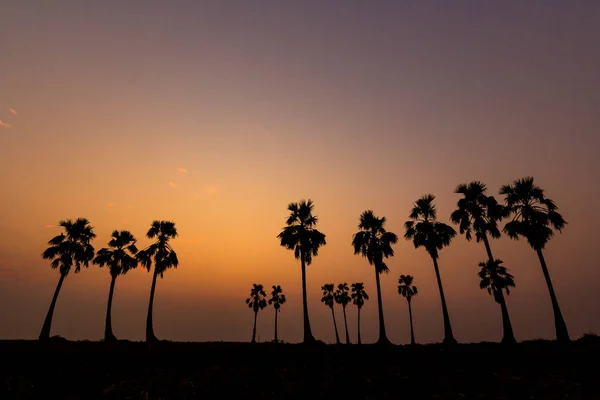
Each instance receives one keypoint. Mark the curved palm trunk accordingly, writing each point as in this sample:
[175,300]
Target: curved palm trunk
[448,335]
[254,329]
[562,334]
[382,336]
[276,311]
[359,342]
[149,327]
[308,337]
[412,332]
[45,333]
[108,333]
[346,325]
[337,337]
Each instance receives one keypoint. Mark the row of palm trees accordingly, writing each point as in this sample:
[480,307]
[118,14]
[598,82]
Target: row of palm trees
[257,301]
[530,214]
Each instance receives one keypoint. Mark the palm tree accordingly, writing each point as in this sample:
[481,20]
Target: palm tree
[495,278]
[71,248]
[162,255]
[358,298]
[342,297]
[477,212]
[120,258]
[256,302]
[405,289]
[301,236]
[375,243]
[328,299]
[535,217]
[277,299]
[425,231]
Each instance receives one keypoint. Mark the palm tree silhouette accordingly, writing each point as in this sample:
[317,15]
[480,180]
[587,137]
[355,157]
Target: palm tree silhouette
[425,231]
[162,255]
[358,298]
[342,297]
[405,289]
[120,258]
[534,217]
[301,236]
[480,213]
[277,299]
[70,248]
[256,302]
[495,278]
[328,299]
[375,243]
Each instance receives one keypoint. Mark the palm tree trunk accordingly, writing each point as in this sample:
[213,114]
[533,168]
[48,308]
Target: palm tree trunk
[254,329]
[448,335]
[382,336]
[149,327]
[562,334]
[346,325]
[45,333]
[488,249]
[308,337]
[412,332]
[276,311]
[337,337]
[108,333]
[359,342]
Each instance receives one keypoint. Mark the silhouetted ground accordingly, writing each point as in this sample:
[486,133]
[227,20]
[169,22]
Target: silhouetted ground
[132,370]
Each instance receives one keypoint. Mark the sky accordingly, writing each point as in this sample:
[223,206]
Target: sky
[217,114]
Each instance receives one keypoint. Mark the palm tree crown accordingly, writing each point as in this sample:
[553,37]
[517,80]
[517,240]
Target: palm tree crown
[277,297]
[160,251]
[373,241]
[300,234]
[72,247]
[495,278]
[404,287]
[120,254]
[341,295]
[328,294]
[358,294]
[257,300]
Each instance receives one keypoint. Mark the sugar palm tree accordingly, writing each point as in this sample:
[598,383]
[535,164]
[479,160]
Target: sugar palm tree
[407,291]
[374,243]
[120,258]
[72,248]
[256,302]
[329,300]
[301,236]
[535,217]
[358,298]
[162,256]
[495,279]
[342,297]
[277,299]
[479,213]
[425,231]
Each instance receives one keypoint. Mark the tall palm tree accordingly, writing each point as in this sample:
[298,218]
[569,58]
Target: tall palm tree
[120,258]
[342,297]
[495,278]
[407,291]
[162,255]
[277,299]
[70,248]
[479,213]
[375,243]
[256,302]
[425,231]
[328,299]
[358,298]
[301,236]
[535,217]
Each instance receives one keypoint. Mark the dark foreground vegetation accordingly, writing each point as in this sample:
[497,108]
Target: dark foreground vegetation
[168,370]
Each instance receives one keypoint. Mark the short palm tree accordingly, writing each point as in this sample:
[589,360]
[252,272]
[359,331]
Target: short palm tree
[358,298]
[72,248]
[162,256]
[301,236]
[329,300]
[256,302]
[374,243]
[120,258]
[535,217]
[277,299]
[479,213]
[342,297]
[407,291]
[495,279]
[425,231]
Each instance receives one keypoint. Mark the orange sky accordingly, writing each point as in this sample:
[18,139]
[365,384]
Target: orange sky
[217,117]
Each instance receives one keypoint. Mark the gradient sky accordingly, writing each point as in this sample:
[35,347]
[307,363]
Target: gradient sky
[217,114]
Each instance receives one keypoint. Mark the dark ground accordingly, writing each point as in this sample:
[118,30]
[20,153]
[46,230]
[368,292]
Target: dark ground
[132,370]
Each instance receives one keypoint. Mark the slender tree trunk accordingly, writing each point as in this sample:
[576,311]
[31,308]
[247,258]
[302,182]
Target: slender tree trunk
[412,332]
[45,333]
[149,327]
[448,335]
[382,336]
[359,342]
[562,334]
[488,249]
[254,329]
[337,337]
[308,337]
[276,311]
[108,333]
[346,325]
